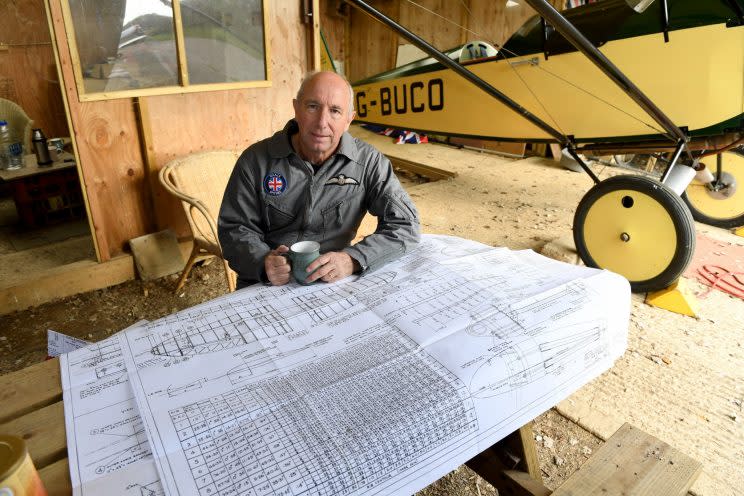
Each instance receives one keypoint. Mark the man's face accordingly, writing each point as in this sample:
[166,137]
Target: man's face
[323,116]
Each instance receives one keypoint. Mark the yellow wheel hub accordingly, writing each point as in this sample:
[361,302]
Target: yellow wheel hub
[630,233]
[724,204]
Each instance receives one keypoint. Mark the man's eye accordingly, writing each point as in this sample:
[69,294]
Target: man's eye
[312,106]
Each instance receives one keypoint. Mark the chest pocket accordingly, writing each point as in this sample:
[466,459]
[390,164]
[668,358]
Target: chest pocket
[335,217]
[341,219]
[277,216]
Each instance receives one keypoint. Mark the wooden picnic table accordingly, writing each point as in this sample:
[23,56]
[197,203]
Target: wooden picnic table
[31,408]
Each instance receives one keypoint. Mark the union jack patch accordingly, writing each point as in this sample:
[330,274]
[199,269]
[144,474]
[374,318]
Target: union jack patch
[274,184]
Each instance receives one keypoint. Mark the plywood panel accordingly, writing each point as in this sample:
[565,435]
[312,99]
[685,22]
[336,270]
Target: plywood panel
[27,69]
[487,22]
[437,21]
[226,119]
[334,15]
[39,94]
[23,22]
[109,150]
[372,45]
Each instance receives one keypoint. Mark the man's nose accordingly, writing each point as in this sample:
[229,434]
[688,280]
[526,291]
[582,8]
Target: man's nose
[324,117]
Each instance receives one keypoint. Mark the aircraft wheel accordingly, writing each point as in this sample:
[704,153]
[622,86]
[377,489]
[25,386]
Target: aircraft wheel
[721,205]
[637,227]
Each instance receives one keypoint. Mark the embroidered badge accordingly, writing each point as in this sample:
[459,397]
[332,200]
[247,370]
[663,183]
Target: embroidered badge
[342,180]
[274,184]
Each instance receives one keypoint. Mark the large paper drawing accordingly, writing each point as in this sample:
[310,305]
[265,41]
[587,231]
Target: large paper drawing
[374,385]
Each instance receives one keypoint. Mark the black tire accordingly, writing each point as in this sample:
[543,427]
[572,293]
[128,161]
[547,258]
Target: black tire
[623,207]
[703,205]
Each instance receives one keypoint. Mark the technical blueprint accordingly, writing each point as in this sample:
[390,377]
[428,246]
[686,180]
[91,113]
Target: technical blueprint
[58,343]
[377,384]
[108,451]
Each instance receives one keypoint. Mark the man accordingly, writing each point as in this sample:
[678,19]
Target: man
[314,181]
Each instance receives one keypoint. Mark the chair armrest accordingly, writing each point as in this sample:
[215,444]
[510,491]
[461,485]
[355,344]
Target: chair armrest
[194,204]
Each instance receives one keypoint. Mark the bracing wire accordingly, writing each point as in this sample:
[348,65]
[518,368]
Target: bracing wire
[555,123]
[534,95]
[609,104]
[444,18]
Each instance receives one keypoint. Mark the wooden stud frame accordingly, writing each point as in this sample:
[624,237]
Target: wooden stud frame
[185,86]
[70,126]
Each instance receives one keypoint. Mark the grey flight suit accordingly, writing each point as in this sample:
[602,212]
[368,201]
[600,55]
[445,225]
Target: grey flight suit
[274,197]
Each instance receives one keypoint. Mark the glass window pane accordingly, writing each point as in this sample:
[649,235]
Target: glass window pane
[224,40]
[125,44]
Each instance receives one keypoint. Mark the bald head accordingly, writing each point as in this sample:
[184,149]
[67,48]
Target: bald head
[326,77]
[323,114]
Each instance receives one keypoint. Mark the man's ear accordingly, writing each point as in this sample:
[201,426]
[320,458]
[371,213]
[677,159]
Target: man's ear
[295,103]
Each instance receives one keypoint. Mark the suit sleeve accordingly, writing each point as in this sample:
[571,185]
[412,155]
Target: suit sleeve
[398,228]
[241,222]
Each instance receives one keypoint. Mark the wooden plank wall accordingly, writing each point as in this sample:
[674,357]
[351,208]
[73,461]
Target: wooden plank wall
[116,175]
[334,17]
[446,35]
[28,75]
[371,48]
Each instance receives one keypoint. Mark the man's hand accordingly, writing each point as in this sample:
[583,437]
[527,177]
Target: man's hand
[276,266]
[331,267]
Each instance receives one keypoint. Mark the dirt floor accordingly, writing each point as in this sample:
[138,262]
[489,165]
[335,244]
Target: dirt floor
[530,208]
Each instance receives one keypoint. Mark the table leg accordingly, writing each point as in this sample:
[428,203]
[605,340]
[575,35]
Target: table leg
[511,465]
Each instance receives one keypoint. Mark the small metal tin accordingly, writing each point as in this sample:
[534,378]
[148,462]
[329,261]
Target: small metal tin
[18,476]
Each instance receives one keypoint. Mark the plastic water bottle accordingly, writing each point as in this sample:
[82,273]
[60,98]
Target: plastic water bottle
[11,148]
[4,139]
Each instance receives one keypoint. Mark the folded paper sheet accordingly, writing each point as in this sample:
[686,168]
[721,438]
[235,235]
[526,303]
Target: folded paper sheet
[374,385]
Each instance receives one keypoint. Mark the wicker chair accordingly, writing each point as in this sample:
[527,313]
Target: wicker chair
[199,180]
[18,121]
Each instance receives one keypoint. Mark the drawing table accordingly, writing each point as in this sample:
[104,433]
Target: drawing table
[31,407]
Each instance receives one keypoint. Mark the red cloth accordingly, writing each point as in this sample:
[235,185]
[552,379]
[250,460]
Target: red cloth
[718,264]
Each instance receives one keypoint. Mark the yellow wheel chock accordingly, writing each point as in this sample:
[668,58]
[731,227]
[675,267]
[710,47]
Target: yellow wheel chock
[677,298]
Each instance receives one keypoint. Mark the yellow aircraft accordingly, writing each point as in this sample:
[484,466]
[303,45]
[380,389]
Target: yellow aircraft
[613,77]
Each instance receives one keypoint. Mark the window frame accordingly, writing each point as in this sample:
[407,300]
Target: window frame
[183,77]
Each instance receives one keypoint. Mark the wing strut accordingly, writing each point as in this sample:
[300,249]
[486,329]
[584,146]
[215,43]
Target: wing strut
[458,69]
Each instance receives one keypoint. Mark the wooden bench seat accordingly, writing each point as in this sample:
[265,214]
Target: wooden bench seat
[635,463]
[630,463]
